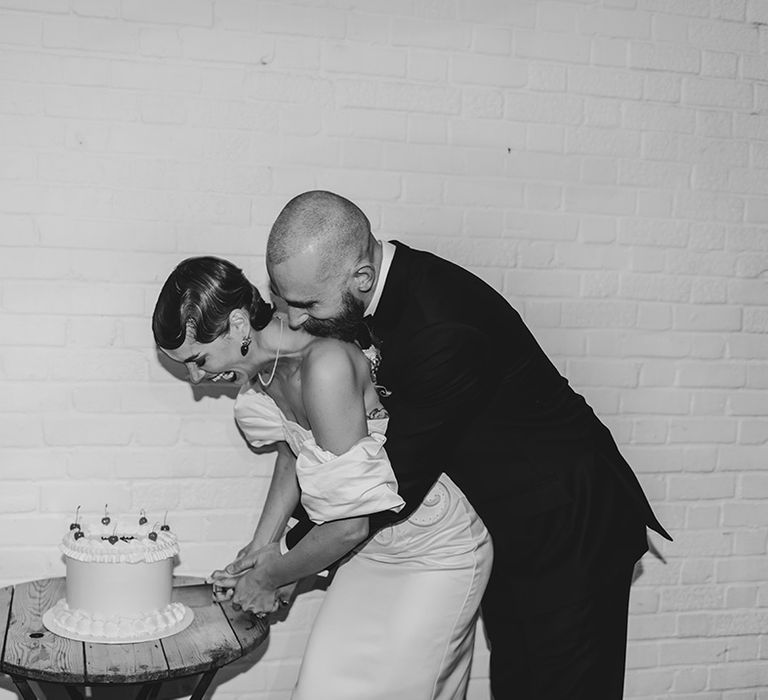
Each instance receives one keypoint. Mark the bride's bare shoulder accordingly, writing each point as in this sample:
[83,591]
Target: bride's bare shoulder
[329,355]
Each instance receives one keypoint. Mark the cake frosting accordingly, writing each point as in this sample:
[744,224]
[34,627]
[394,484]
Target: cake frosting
[118,582]
[133,543]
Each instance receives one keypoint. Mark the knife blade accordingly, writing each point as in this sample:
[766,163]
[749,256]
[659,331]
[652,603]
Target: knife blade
[192,583]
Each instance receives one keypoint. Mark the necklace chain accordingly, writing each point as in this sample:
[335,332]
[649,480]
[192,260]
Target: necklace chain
[277,357]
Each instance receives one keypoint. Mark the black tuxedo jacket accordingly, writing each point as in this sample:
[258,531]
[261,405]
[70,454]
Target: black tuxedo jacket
[471,393]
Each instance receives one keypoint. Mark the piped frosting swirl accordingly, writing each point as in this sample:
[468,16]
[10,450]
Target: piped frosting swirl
[82,624]
[133,541]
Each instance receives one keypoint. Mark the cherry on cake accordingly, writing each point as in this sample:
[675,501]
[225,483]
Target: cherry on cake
[118,582]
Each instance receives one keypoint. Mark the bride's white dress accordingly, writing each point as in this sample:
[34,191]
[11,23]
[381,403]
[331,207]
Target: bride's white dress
[398,620]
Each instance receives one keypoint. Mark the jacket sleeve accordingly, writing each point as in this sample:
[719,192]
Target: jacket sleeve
[443,377]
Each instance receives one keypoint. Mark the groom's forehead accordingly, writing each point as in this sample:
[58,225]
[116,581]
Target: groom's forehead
[304,265]
[295,290]
[299,278]
[292,298]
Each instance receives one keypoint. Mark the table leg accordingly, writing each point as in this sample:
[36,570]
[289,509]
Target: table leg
[149,691]
[27,693]
[202,684]
[24,688]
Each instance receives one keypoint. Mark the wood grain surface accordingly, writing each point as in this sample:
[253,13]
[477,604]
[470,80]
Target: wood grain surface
[218,635]
[30,649]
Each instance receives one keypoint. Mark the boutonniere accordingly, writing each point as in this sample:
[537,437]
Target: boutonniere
[374,360]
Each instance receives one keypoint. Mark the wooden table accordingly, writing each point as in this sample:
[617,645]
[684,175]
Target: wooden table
[217,636]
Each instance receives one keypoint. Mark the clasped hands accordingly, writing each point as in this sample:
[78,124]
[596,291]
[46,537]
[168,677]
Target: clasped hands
[249,581]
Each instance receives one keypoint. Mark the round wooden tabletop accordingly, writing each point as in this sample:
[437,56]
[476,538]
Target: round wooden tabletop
[217,636]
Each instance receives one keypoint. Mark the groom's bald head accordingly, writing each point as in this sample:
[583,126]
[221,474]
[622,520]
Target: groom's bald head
[323,262]
[325,224]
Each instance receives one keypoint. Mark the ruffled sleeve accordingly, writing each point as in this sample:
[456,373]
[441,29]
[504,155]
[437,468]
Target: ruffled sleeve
[258,417]
[356,483]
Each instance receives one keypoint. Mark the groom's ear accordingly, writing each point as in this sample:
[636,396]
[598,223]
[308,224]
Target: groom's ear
[364,278]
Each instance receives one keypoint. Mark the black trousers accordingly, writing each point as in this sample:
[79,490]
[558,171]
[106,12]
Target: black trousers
[575,652]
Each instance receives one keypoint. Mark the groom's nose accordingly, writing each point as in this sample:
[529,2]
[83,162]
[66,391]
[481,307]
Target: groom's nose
[296,317]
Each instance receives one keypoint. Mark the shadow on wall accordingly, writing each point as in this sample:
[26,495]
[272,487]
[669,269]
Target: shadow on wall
[638,571]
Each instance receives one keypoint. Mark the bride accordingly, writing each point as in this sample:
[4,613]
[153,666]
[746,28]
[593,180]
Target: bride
[398,619]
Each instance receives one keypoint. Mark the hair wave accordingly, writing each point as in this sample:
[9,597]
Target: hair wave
[198,297]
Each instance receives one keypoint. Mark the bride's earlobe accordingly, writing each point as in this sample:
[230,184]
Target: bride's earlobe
[238,324]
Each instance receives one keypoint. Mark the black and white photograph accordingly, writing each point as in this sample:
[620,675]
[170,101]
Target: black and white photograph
[384,349]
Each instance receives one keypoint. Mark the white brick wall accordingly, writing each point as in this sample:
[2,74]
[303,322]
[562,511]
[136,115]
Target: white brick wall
[604,164]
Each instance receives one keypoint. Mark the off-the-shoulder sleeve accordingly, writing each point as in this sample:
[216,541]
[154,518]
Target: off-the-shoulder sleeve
[259,418]
[356,483]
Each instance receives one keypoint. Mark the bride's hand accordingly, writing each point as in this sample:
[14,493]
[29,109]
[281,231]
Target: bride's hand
[256,590]
[244,560]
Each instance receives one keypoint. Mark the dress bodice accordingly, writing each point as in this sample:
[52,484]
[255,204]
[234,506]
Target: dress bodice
[356,483]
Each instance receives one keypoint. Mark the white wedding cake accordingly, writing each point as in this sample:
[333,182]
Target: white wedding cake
[118,582]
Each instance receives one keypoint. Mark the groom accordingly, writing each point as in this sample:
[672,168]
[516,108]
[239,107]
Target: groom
[470,393]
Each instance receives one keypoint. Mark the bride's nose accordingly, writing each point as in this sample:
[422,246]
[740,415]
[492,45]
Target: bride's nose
[196,374]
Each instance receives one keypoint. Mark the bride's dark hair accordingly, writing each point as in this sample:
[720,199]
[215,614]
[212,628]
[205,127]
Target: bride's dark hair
[198,296]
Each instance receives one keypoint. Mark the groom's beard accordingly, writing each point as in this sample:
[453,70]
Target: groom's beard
[345,326]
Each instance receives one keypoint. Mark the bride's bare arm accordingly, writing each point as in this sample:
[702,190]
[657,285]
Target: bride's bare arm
[332,393]
[333,396]
[282,499]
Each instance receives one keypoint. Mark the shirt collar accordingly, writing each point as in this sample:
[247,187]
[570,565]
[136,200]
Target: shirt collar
[387,254]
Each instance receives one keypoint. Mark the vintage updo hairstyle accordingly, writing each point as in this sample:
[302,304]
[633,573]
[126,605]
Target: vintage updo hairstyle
[198,296]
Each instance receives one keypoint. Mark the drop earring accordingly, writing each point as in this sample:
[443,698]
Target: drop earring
[245,345]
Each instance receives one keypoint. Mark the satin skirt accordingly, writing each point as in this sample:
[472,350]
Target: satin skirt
[398,620]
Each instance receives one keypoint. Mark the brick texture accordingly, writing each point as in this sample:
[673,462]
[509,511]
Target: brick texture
[603,164]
